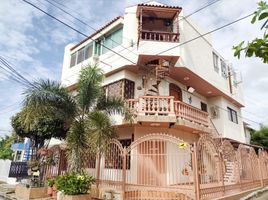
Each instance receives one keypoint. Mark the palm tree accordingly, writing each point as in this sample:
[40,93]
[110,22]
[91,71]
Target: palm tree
[92,129]
[87,113]
[48,111]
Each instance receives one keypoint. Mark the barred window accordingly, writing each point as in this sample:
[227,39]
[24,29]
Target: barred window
[232,115]
[123,88]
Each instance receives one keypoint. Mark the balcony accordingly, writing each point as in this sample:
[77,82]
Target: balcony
[159,36]
[166,109]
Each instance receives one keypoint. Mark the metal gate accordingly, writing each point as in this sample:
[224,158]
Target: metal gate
[154,167]
[159,166]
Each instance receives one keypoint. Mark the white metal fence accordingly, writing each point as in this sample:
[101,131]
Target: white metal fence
[4,171]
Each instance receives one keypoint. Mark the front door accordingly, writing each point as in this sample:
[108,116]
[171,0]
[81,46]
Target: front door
[175,91]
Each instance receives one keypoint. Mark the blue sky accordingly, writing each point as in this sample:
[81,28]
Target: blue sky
[34,44]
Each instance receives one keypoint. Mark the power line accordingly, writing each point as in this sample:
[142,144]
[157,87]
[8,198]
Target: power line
[198,10]
[202,8]
[12,77]
[7,64]
[82,22]
[68,19]
[10,111]
[219,28]
[81,33]
[202,35]
[9,106]
[13,74]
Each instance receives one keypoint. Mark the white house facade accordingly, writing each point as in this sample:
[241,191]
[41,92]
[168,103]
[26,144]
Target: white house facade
[174,85]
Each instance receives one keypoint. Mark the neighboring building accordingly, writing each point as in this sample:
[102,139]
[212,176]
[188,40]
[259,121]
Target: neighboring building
[22,150]
[156,72]
[248,131]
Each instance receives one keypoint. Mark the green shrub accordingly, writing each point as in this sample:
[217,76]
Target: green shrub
[50,182]
[72,183]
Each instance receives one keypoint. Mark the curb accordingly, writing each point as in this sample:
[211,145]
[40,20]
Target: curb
[255,194]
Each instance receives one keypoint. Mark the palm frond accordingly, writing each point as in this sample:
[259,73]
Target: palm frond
[49,97]
[100,130]
[89,87]
[111,105]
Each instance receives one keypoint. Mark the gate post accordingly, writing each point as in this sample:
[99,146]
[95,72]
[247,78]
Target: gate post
[124,168]
[260,169]
[196,172]
[98,170]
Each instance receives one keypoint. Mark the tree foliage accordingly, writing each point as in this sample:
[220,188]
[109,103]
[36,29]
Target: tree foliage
[258,47]
[50,111]
[92,129]
[5,147]
[260,137]
[47,112]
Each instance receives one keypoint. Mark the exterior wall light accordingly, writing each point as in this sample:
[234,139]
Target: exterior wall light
[190,89]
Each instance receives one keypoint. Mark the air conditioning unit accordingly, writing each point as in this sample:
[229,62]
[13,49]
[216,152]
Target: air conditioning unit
[214,112]
[237,77]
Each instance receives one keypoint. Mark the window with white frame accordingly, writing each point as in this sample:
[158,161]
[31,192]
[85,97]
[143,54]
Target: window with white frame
[80,55]
[216,62]
[232,115]
[73,59]
[223,69]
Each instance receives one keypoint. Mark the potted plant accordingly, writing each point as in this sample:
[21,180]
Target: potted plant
[50,184]
[74,185]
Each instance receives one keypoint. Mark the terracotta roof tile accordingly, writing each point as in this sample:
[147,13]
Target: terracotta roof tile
[96,32]
[159,6]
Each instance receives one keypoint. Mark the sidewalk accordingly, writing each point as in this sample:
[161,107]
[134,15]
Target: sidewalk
[7,191]
[263,196]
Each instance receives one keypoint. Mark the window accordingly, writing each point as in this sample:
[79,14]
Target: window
[113,40]
[223,69]
[97,48]
[18,155]
[73,60]
[88,51]
[232,115]
[204,107]
[123,88]
[80,56]
[216,62]
[129,89]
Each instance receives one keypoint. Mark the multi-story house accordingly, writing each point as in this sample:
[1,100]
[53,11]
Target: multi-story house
[173,84]
[182,92]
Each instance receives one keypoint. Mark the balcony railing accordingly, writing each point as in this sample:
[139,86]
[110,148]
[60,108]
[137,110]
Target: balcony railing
[159,36]
[191,113]
[166,106]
